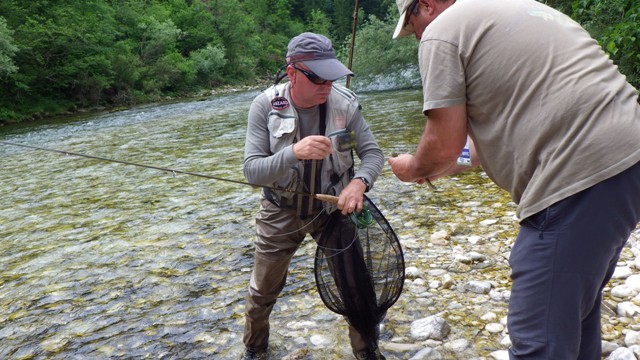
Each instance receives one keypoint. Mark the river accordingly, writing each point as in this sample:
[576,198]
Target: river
[103,260]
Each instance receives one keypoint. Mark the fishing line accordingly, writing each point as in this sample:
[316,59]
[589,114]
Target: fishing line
[172,171]
[362,219]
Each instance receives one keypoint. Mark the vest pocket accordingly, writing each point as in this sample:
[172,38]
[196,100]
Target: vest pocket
[280,125]
[342,161]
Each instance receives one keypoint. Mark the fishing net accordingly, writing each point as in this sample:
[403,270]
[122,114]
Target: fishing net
[359,268]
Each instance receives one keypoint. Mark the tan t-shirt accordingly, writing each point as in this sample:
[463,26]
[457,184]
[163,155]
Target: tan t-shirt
[549,113]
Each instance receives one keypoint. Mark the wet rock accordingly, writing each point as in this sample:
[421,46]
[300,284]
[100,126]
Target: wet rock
[412,272]
[622,354]
[628,309]
[478,287]
[320,340]
[427,354]
[622,272]
[432,327]
[632,338]
[608,347]
[494,328]
[440,237]
[500,355]
[457,345]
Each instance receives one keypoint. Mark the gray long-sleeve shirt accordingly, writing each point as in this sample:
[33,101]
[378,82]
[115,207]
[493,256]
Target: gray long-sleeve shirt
[266,167]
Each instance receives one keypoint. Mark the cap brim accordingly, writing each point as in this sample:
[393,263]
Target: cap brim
[328,69]
[402,31]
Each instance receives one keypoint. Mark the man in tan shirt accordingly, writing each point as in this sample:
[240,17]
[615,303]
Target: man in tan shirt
[551,120]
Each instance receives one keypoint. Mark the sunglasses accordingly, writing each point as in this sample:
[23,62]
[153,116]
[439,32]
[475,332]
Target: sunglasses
[312,76]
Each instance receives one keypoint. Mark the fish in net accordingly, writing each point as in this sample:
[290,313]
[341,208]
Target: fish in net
[359,268]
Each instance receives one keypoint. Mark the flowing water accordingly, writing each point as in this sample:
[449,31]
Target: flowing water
[102,260]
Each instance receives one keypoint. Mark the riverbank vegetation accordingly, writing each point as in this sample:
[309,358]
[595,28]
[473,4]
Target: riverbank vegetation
[62,56]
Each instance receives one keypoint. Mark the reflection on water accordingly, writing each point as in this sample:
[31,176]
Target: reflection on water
[105,261]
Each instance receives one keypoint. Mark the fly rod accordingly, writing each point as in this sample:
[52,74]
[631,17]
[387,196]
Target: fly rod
[322,197]
[353,39]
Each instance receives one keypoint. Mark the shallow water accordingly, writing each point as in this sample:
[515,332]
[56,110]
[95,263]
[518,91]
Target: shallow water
[104,260]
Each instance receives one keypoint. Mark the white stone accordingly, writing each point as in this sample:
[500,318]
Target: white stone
[500,355]
[457,345]
[432,327]
[412,272]
[488,222]
[628,309]
[447,281]
[474,239]
[478,287]
[440,237]
[608,347]
[506,341]
[633,282]
[494,328]
[320,340]
[622,353]
[622,291]
[419,282]
[622,272]
[427,353]
[490,316]
[632,338]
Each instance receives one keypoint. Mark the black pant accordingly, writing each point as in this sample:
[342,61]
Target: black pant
[562,259]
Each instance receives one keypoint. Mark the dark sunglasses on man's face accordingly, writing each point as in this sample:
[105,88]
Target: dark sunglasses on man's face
[311,76]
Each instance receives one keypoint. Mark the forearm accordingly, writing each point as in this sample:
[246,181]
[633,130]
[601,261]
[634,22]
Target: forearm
[457,167]
[265,170]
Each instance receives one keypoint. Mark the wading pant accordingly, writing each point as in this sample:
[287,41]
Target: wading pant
[562,259]
[279,233]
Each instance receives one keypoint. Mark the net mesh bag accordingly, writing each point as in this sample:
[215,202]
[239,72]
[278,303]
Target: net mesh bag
[359,268]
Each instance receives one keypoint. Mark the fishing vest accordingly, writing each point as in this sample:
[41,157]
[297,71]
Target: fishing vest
[333,173]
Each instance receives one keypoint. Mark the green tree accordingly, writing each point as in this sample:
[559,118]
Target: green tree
[318,22]
[7,50]
[616,26]
[377,56]
[62,52]
[208,63]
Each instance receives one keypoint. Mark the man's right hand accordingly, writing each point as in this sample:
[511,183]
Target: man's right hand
[314,147]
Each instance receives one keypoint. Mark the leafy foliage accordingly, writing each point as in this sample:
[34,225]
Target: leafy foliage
[58,56]
[7,50]
[616,26]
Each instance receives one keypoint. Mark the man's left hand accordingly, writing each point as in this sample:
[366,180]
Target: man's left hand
[351,198]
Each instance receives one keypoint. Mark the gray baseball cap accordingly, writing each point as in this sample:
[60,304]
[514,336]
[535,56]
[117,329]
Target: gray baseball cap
[316,52]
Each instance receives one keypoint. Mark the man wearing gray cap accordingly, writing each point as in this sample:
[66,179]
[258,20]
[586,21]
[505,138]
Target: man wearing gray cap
[296,141]
[551,120]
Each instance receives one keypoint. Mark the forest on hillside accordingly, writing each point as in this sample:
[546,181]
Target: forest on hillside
[64,55]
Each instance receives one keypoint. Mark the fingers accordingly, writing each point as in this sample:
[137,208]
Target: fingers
[401,167]
[351,198]
[351,207]
[314,147]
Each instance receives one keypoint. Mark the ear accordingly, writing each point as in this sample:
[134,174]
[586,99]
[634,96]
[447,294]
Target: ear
[430,5]
[291,73]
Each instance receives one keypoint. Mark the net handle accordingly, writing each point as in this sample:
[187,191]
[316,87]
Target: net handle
[327,198]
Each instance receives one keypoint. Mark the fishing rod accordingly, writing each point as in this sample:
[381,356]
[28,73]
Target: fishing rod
[353,39]
[322,197]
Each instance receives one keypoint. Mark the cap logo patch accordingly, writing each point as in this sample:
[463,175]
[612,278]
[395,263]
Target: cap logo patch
[279,103]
